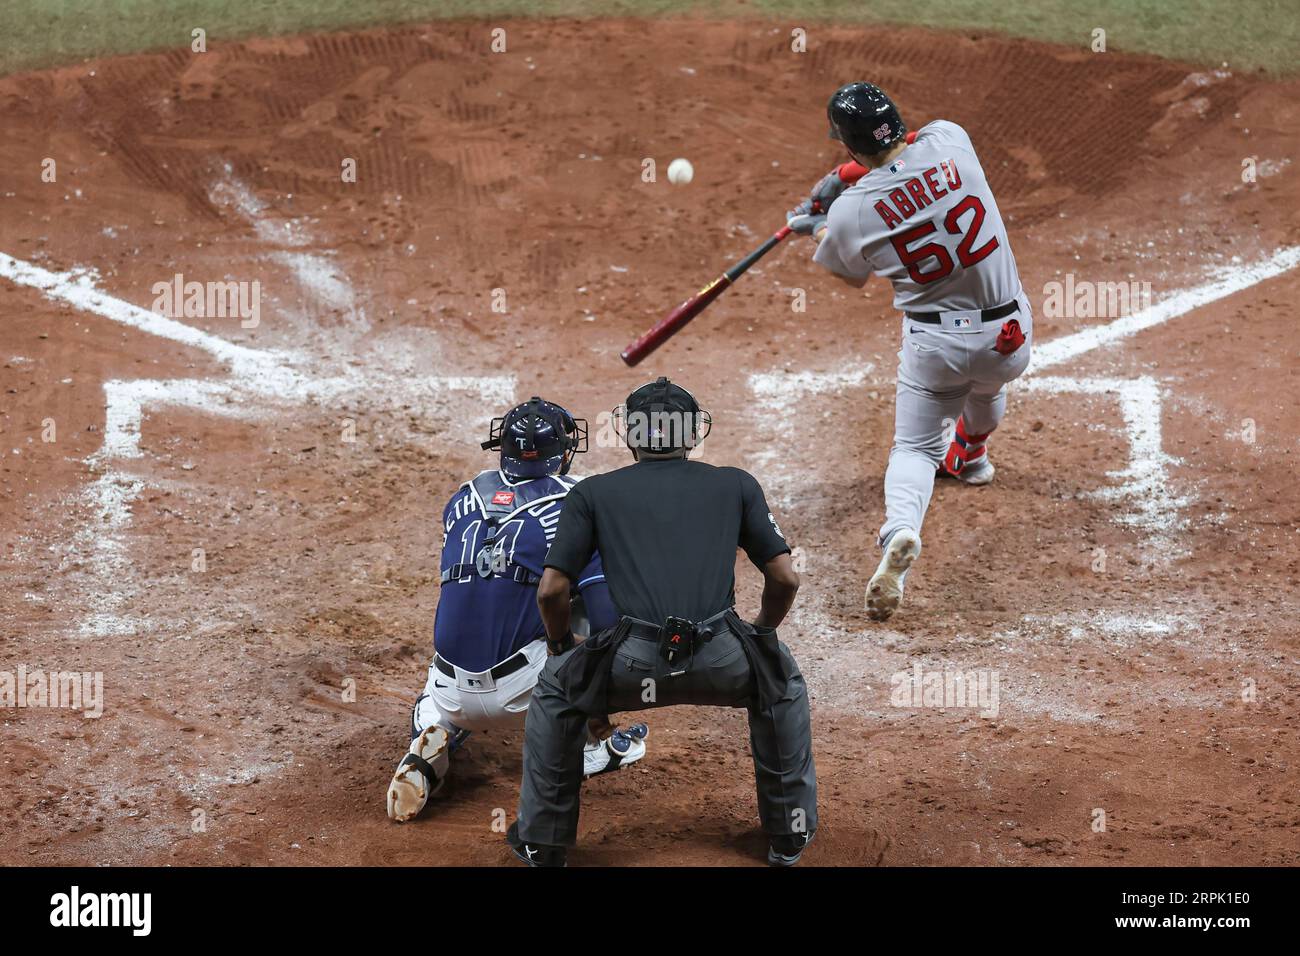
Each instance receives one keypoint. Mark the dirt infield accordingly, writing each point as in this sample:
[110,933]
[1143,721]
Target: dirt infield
[1130,576]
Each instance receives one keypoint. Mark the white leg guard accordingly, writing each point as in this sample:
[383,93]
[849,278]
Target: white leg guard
[420,775]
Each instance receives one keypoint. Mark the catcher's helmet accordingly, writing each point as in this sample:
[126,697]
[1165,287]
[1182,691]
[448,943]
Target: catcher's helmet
[662,417]
[864,119]
[537,438]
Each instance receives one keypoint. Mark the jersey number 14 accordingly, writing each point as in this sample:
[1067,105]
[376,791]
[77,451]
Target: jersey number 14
[912,258]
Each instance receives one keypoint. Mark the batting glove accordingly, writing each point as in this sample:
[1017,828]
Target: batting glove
[828,189]
[803,221]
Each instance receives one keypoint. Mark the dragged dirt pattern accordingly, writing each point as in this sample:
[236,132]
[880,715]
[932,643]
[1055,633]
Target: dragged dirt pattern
[229,736]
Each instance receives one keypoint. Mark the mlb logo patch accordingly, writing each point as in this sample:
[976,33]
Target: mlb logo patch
[503,498]
[961,322]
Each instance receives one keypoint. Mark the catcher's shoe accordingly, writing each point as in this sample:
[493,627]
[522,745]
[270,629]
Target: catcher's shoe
[786,850]
[535,854]
[623,747]
[637,731]
[885,590]
[968,457]
[421,774]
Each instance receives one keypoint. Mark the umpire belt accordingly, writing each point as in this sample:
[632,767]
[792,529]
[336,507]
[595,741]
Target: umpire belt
[652,632]
[515,662]
[986,315]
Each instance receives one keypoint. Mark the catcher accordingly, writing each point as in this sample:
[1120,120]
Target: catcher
[917,209]
[489,641]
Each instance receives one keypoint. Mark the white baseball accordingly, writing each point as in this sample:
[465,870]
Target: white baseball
[680,172]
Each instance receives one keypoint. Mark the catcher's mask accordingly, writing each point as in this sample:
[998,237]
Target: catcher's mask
[537,438]
[662,417]
[864,118]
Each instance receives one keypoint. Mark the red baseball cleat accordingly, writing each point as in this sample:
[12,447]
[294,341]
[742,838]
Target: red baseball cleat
[968,457]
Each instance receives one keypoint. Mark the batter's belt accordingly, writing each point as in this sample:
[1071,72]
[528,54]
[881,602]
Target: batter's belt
[986,315]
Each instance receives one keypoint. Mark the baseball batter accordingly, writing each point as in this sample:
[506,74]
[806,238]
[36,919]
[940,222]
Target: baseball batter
[916,208]
[489,641]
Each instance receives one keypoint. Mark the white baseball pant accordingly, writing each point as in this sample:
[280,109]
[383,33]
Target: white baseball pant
[474,700]
[944,371]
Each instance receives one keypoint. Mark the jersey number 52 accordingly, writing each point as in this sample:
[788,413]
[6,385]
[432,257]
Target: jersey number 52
[912,258]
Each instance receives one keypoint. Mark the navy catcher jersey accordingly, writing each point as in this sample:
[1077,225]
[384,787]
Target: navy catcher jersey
[495,538]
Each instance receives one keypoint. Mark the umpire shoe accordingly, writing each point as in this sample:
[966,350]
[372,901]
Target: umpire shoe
[885,590]
[786,850]
[534,854]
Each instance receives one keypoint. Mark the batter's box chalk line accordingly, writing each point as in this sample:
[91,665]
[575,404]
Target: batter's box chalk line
[1154,509]
[1144,482]
[258,382]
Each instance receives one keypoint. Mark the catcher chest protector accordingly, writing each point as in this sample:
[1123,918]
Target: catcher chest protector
[498,502]
[864,118]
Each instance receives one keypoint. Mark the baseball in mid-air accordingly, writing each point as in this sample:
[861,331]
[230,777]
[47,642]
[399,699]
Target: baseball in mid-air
[680,172]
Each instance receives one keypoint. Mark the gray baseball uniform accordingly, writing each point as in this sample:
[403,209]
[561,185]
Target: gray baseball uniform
[928,222]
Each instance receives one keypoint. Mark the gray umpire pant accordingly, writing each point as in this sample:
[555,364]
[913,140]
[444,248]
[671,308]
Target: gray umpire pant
[780,737]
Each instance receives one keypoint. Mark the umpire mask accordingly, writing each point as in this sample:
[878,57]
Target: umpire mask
[662,417]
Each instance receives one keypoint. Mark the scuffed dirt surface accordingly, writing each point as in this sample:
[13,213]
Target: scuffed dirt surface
[1120,690]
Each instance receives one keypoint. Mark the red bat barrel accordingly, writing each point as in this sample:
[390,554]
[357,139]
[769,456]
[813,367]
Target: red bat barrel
[672,323]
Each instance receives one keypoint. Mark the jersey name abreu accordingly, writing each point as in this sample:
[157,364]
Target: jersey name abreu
[904,201]
[928,223]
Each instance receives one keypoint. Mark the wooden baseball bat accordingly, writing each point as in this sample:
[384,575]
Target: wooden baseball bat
[673,323]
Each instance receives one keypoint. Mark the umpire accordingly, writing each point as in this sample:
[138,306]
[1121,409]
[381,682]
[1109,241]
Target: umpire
[667,529]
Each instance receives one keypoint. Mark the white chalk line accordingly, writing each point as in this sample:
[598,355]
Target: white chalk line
[1143,484]
[258,381]
[1237,279]
[849,670]
[76,287]
[780,391]
[315,272]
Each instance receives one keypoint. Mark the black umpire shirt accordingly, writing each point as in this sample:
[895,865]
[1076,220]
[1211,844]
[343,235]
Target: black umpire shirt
[667,531]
